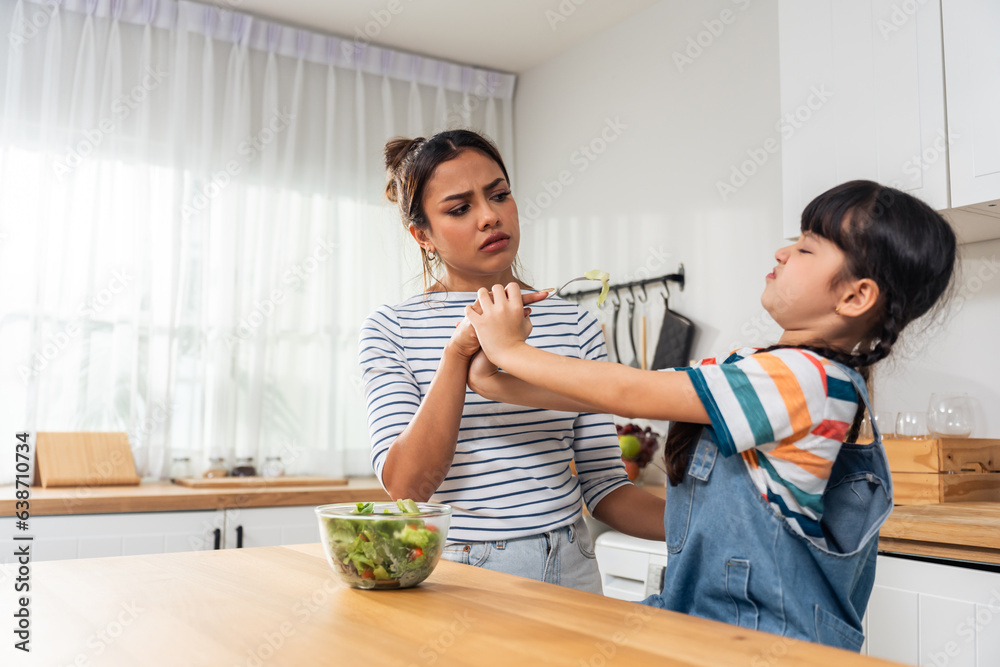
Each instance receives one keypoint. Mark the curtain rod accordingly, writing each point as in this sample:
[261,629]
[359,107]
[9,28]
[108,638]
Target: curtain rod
[220,22]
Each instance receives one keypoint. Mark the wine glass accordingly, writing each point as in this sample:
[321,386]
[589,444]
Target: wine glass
[911,425]
[950,415]
[886,422]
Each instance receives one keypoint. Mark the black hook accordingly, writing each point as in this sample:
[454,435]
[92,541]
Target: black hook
[644,295]
[666,294]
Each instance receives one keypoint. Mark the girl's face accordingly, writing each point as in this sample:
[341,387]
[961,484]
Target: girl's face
[473,224]
[799,294]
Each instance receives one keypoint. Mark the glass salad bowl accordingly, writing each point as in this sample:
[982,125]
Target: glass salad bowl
[383,545]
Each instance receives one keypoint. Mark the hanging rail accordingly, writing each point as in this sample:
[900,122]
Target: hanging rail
[672,277]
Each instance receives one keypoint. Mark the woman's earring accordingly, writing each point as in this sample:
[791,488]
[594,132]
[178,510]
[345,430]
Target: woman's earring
[431,255]
[837,310]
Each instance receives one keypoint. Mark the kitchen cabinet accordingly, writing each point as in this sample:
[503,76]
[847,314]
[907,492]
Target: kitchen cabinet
[864,96]
[136,533]
[933,613]
[127,534]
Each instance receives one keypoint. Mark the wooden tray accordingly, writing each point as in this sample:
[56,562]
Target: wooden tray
[250,482]
[84,459]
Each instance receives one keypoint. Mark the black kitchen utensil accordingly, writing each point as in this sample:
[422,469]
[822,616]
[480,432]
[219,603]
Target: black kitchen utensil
[673,347]
[631,329]
[617,306]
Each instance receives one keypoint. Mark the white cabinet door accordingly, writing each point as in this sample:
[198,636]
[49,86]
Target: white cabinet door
[924,613]
[972,70]
[271,526]
[862,97]
[127,534]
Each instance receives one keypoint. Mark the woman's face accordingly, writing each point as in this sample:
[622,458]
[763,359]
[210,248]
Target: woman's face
[473,223]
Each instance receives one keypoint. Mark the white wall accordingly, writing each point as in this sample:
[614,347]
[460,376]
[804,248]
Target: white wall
[649,201]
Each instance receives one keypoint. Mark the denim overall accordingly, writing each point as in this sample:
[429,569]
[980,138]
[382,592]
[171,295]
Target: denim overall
[733,558]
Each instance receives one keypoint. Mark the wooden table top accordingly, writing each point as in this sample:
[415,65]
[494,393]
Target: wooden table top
[284,606]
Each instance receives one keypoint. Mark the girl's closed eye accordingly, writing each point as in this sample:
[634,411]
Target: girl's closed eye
[458,210]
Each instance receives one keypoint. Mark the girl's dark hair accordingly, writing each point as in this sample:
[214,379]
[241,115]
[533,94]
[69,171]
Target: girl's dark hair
[886,235]
[411,162]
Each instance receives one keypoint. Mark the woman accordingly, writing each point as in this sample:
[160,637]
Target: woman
[503,468]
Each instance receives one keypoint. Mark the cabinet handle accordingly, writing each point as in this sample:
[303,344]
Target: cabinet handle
[218,538]
[239,537]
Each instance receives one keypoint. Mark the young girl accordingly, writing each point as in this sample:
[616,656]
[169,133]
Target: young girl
[504,469]
[771,519]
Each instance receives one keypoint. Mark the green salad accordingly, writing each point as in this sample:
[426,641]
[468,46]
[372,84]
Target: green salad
[394,552]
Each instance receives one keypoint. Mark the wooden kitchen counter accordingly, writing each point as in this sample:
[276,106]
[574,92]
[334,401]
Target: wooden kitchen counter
[284,606]
[168,497]
[957,531]
[961,531]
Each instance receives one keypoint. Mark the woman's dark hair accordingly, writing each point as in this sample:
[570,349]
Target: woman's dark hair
[886,235]
[410,164]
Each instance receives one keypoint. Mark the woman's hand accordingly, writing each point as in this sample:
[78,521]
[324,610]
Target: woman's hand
[464,342]
[481,369]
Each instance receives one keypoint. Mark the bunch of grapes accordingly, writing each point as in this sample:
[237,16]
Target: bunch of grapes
[648,439]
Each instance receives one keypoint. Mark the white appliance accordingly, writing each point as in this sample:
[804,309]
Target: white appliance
[631,568]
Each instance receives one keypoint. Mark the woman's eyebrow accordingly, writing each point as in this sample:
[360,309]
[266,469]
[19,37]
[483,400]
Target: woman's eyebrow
[464,195]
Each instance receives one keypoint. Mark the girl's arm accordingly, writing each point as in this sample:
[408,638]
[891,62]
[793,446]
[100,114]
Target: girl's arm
[603,387]
[630,510]
[490,382]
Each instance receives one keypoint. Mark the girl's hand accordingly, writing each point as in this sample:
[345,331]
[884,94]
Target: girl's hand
[499,319]
[464,341]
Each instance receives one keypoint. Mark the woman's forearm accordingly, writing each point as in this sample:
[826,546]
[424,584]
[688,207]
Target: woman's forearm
[630,510]
[421,456]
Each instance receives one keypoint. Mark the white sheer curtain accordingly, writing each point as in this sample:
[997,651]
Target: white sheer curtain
[192,225]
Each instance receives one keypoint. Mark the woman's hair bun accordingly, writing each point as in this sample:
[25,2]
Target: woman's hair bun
[396,151]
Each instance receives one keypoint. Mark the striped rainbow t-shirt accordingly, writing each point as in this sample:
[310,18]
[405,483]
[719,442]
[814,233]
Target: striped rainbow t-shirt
[786,412]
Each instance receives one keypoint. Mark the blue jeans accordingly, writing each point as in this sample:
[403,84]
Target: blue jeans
[564,556]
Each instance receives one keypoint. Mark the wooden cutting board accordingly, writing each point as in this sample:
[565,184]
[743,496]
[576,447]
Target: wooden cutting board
[84,459]
[241,482]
